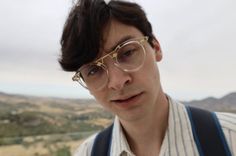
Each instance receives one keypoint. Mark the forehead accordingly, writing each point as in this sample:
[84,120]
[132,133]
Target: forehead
[116,33]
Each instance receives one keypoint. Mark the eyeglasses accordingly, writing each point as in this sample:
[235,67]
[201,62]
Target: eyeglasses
[128,56]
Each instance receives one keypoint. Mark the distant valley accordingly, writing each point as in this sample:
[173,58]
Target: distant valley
[40,126]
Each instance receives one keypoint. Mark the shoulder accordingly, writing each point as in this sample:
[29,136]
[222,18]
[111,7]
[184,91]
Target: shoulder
[85,147]
[228,124]
[227,121]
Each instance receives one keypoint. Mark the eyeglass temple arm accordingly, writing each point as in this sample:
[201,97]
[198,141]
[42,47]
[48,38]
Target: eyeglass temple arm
[144,39]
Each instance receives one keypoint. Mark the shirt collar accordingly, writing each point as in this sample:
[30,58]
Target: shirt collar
[119,142]
[120,145]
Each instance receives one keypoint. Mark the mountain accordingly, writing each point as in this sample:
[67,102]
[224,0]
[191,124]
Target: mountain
[16,98]
[227,103]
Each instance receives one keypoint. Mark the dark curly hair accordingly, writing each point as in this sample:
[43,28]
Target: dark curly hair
[83,30]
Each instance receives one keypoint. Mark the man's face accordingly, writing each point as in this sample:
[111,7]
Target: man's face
[130,95]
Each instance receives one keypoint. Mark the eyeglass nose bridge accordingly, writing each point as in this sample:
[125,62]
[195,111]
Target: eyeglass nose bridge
[113,55]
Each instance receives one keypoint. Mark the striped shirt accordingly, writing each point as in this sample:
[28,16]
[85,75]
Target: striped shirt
[178,140]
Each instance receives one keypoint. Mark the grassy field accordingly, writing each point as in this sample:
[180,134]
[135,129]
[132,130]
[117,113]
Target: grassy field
[31,126]
[39,149]
[43,145]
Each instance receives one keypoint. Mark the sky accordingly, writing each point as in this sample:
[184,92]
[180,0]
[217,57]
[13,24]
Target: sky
[197,38]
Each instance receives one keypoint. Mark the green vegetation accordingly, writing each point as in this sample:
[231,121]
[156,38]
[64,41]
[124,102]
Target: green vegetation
[64,151]
[11,141]
[23,118]
[36,123]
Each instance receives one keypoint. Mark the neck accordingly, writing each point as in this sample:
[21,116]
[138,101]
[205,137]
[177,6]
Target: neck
[148,132]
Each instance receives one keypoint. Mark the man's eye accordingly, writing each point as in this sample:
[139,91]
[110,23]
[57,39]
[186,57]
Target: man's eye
[128,53]
[93,70]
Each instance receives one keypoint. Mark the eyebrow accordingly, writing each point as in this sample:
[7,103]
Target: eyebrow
[120,41]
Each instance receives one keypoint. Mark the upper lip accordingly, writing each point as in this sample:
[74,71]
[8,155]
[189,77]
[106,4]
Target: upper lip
[122,98]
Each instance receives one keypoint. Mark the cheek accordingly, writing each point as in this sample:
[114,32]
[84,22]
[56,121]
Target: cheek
[151,72]
[100,96]
[150,67]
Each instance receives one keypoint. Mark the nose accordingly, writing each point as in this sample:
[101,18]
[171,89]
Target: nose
[117,77]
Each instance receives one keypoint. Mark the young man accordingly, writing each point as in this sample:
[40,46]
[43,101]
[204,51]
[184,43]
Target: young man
[114,52]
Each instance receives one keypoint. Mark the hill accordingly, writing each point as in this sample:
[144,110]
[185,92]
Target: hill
[28,115]
[225,104]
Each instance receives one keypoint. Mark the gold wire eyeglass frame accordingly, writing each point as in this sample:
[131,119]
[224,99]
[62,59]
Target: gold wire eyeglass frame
[113,55]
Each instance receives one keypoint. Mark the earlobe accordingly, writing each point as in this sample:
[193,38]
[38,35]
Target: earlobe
[91,92]
[158,55]
[158,51]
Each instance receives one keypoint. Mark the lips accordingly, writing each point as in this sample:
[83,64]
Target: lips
[128,100]
[124,99]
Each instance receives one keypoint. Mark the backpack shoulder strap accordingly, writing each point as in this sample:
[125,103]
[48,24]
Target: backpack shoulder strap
[102,142]
[207,132]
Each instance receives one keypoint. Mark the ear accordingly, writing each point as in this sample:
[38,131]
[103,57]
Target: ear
[157,49]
